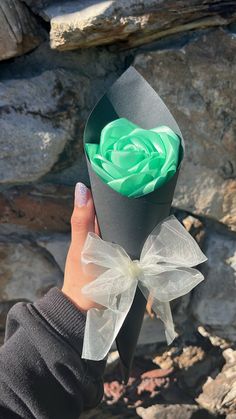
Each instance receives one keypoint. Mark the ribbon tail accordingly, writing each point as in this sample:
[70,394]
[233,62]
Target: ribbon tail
[103,325]
[163,310]
[101,329]
[166,286]
[170,243]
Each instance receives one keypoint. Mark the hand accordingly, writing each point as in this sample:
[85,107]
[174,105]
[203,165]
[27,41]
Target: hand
[83,220]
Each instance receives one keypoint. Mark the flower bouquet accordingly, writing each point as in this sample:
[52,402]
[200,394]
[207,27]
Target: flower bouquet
[134,150]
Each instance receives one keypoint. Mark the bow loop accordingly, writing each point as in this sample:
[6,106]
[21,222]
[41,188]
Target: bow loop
[171,283]
[163,272]
[98,255]
[170,243]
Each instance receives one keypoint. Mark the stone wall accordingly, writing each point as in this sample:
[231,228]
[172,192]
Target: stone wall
[57,59]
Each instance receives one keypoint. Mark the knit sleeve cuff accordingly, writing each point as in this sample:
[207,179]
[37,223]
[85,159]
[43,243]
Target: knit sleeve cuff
[62,315]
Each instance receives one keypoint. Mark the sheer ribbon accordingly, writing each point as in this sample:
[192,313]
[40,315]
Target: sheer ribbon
[164,272]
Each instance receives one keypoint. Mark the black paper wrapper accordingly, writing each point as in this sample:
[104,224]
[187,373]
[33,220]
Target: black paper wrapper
[122,220]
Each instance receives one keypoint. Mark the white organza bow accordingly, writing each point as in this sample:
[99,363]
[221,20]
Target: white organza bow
[164,272]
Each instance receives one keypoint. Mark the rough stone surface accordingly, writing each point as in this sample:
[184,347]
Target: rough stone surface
[199,92]
[57,246]
[40,208]
[44,101]
[45,98]
[219,394]
[165,376]
[35,132]
[213,302]
[26,271]
[19,31]
[87,23]
[100,65]
[37,5]
[176,411]
[192,363]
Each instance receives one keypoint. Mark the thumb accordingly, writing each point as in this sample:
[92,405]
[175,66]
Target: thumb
[82,221]
[83,217]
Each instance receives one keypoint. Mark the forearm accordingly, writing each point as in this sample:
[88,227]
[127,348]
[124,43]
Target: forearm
[42,374]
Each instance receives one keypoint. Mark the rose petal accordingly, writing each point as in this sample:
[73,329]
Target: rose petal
[91,150]
[114,130]
[172,152]
[154,162]
[125,159]
[113,170]
[140,139]
[133,182]
[134,161]
[106,177]
[166,130]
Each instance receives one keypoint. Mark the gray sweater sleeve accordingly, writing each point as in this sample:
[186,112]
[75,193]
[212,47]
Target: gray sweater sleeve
[42,374]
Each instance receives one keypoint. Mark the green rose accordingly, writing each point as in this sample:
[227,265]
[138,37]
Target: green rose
[134,161]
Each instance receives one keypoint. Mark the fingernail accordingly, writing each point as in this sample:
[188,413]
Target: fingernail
[81,194]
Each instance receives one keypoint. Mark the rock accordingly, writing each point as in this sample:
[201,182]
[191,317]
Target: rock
[83,24]
[100,65]
[39,128]
[113,391]
[173,376]
[199,92]
[40,208]
[57,245]
[194,367]
[196,228]
[166,358]
[219,394]
[213,302]
[191,364]
[152,381]
[45,98]
[19,30]
[210,306]
[37,5]
[215,340]
[144,384]
[182,356]
[177,411]
[189,357]
[26,271]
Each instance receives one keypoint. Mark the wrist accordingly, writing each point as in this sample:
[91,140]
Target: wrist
[77,298]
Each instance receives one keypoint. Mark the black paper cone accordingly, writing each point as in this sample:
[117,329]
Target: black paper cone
[122,220]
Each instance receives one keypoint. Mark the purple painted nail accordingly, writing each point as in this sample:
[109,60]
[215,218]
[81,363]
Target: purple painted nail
[81,194]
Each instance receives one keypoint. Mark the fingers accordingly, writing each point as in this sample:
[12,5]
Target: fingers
[83,216]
